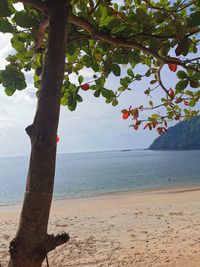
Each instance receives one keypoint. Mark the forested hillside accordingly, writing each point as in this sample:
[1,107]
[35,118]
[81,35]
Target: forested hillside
[184,135]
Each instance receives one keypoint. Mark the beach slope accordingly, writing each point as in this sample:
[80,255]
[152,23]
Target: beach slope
[159,229]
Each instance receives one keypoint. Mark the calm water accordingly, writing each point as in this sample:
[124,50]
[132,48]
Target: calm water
[91,174]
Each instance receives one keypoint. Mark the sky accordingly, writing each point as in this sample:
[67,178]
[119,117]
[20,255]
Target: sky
[94,126]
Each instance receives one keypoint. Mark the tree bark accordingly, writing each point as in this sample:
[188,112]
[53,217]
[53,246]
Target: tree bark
[32,243]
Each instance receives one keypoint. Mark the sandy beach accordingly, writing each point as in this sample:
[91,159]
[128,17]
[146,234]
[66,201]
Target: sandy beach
[160,229]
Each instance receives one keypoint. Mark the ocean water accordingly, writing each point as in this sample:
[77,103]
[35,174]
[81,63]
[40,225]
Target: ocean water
[92,174]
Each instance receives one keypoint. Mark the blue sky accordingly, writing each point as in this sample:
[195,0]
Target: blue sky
[94,126]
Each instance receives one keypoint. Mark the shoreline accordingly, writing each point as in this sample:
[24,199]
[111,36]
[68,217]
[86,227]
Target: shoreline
[133,193]
[160,190]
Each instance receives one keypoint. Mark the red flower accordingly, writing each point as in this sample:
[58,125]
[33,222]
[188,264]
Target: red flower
[85,86]
[186,103]
[125,115]
[57,139]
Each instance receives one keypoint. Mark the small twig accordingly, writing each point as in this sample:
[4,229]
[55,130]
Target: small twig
[160,81]
[151,108]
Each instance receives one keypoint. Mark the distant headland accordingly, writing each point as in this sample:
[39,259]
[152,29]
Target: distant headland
[184,135]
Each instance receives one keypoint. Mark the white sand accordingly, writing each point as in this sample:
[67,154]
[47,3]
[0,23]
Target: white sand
[159,229]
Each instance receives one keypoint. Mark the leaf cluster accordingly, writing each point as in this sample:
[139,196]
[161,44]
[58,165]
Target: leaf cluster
[103,37]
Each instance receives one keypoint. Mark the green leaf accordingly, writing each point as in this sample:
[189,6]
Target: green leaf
[106,93]
[108,100]
[28,56]
[116,69]
[182,74]
[150,103]
[71,48]
[192,102]
[183,47]
[18,43]
[153,81]
[13,78]
[6,26]
[101,81]
[70,100]
[97,93]
[119,27]
[181,85]
[196,76]
[80,79]
[130,72]
[121,89]
[63,101]
[194,83]
[194,19]
[154,116]
[125,81]
[6,9]
[107,20]
[138,77]
[114,102]
[115,6]
[188,92]
[10,90]
[24,20]
[73,106]
[79,98]
[148,73]
[95,66]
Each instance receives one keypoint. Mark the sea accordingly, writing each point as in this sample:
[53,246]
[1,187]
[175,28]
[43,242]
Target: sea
[81,175]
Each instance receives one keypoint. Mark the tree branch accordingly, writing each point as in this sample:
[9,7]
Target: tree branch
[38,4]
[142,34]
[190,31]
[82,23]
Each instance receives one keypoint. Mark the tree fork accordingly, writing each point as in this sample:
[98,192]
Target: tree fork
[32,243]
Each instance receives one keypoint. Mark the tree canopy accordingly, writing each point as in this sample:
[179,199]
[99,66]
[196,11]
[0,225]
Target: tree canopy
[105,35]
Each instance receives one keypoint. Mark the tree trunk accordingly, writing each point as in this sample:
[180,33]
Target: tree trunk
[32,243]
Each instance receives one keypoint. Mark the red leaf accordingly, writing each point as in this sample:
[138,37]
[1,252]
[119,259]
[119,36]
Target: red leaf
[171,92]
[125,115]
[172,66]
